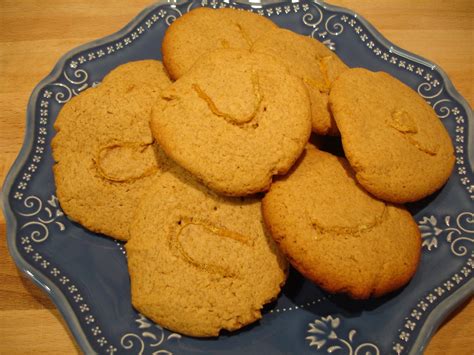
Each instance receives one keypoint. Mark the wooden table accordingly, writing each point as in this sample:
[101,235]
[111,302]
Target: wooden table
[35,33]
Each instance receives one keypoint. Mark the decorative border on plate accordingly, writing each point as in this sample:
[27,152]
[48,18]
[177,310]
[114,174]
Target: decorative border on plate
[460,232]
[35,231]
[428,302]
[75,297]
[301,306]
[324,337]
[76,79]
[43,215]
[431,88]
[167,15]
[323,334]
[39,149]
[39,216]
[150,337]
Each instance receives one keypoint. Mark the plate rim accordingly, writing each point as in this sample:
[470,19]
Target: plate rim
[431,323]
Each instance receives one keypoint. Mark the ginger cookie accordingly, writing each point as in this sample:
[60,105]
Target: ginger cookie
[200,263]
[312,62]
[338,235]
[203,30]
[393,139]
[104,151]
[234,120]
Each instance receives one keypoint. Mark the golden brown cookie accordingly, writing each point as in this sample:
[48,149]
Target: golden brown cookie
[203,30]
[234,120]
[392,138]
[337,234]
[104,151]
[200,263]
[312,62]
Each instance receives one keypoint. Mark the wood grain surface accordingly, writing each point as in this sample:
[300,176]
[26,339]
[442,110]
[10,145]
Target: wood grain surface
[36,33]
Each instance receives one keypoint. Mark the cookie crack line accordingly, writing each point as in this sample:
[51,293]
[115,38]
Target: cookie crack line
[420,146]
[356,231]
[176,247]
[107,177]
[324,88]
[409,136]
[323,67]
[402,122]
[242,123]
[244,34]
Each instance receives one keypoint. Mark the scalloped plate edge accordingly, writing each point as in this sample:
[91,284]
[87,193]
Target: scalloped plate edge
[418,59]
[39,278]
[433,321]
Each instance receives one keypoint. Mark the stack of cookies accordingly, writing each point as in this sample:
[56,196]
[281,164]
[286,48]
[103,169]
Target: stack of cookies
[202,165]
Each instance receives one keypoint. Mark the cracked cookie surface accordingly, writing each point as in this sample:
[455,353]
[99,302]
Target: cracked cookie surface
[337,234]
[200,262]
[312,62]
[234,120]
[393,139]
[203,30]
[104,151]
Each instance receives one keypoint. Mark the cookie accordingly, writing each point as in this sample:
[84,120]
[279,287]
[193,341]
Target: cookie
[312,62]
[104,151]
[393,139]
[203,30]
[200,263]
[338,235]
[234,120]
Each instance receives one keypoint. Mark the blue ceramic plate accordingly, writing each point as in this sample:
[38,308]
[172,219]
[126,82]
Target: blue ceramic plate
[86,274]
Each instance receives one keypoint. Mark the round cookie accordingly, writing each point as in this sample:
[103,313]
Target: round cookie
[104,151]
[203,30]
[393,139]
[235,120]
[310,61]
[200,263]
[338,235]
